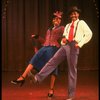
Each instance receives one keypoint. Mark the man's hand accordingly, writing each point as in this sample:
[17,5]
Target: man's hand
[76,45]
[63,41]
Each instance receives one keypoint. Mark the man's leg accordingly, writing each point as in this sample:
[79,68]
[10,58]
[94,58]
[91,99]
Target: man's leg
[72,71]
[51,64]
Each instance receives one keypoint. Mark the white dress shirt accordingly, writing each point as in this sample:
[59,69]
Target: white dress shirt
[83,32]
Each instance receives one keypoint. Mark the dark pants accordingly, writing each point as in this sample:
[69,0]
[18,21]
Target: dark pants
[70,53]
[42,57]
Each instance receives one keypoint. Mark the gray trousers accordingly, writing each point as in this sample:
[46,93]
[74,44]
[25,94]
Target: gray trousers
[70,53]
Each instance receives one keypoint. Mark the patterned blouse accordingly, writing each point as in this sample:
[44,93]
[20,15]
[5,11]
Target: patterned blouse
[53,36]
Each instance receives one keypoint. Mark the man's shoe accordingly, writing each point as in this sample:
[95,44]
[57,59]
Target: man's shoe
[71,98]
[32,77]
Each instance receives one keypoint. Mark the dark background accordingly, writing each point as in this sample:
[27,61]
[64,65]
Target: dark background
[22,18]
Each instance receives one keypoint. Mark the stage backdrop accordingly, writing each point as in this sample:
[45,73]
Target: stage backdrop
[22,18]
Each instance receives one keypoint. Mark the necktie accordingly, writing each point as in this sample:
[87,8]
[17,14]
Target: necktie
[71,35]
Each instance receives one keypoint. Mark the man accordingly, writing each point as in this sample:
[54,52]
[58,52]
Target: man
[76,34]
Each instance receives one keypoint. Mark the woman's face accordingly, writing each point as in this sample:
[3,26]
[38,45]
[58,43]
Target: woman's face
[56,21]
[74,15]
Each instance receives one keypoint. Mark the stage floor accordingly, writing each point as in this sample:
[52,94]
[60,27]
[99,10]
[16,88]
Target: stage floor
[87,87]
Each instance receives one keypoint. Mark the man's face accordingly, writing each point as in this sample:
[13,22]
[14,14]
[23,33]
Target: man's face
[74,15]
[56,21]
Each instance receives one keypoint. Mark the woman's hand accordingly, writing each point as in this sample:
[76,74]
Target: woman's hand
[33,35]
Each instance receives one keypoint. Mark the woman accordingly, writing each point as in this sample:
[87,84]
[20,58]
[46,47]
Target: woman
[50,46]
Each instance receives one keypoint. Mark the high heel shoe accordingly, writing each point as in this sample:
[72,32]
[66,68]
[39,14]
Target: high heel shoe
[21,82]
[51,94]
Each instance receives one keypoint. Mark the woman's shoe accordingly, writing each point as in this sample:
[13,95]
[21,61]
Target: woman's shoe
[51,93]
[21,82]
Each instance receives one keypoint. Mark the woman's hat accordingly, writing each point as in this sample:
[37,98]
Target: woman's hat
[58,14]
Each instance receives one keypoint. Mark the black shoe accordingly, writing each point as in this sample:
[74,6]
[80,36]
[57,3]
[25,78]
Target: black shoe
[32,78]
[51,94]
[21,82]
